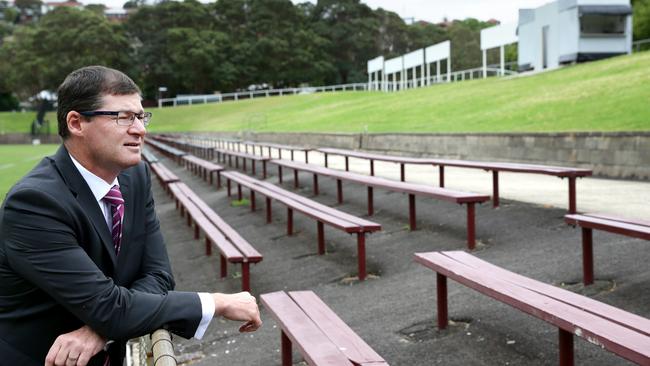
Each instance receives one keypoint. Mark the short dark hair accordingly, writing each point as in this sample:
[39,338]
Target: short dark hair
[84,88]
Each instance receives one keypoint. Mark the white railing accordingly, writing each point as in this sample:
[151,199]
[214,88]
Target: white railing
[641,45]
[216,98]
[388,86]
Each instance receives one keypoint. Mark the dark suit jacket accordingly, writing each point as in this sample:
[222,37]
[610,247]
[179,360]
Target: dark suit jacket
[59,271]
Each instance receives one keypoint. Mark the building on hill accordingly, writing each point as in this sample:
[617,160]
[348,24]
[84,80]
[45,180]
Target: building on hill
[568,31]
[51,5]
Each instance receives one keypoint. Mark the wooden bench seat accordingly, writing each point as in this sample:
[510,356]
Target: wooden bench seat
[623,333]
[167,150]
[148,156]
[589,222]
[494,167]
[203,168]
[270,146]
[321,336]
[232,247]
[321,213]
[371,182]
[226,155]
[165,176]
[205,152]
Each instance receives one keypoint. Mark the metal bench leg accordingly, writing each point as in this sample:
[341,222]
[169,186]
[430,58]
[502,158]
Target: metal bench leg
[280,174]
[228,184]
[371,209]
[253,166]
[321,238]
[326,165]
[239,195]
[245,276]
[471,229]
[315,184]
[289,221]
[402,172]
[295,178]
[211,177]
[441,175]
[372,167]
[361,249]
[412,212]
[339,191]
[268,210]
[347,164]
[237,162]
[291,154]
[587,256]
[495,188]
[286,350]
[441,289]
[196,230]
[572,195]
[245,160]
[208,246]
[565,342]
[253,200]
[306,156]
[224,267]
[218,180]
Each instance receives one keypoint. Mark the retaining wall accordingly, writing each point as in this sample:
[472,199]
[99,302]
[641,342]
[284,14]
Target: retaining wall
[614,155]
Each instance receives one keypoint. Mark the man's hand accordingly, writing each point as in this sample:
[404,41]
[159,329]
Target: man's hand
[75,348]
[241,306]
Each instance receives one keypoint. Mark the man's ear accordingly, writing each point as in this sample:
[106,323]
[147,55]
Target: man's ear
[74,121]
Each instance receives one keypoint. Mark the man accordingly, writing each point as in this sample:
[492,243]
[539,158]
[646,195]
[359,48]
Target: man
[83,265]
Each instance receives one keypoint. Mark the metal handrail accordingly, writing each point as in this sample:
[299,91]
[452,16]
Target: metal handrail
[154,350]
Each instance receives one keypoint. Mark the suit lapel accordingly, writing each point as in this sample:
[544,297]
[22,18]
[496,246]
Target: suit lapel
[85,198]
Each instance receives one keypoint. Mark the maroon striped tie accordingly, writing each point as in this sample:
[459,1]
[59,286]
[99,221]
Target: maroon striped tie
[115,200]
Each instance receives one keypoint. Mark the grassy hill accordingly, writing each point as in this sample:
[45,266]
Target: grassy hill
[609,95]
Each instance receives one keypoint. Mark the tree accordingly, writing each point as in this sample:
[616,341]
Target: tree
[641,19]
[351,29]
[65,39]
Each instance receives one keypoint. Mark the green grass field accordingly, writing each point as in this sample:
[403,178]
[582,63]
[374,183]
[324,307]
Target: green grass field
[17,160]
[610,95]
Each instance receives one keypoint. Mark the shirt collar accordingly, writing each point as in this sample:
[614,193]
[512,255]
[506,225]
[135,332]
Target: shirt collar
[97,185]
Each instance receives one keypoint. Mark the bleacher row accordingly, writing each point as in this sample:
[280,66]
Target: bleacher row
[321,336]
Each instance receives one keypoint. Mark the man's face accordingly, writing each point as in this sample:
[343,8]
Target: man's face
[112,147]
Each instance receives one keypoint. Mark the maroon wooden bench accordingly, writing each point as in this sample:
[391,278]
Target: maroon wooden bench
[588,222]
[270,146]
[165,176]
[494,167]
[227,156]
[321,213]
[205,169]
[623,333]
[232,247]
[167,150]
[371,182]
[179,142]
[319,334]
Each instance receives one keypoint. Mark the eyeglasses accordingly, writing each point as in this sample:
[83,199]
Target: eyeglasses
[122,118]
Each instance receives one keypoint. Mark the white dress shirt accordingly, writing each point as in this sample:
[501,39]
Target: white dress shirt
[100,188]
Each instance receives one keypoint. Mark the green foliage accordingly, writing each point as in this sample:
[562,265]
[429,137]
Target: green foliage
[641,19]
[609,95]
[8,102]
[40,56]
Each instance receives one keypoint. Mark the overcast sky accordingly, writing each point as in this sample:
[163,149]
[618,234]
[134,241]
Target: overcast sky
[436,10]
[430,10]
